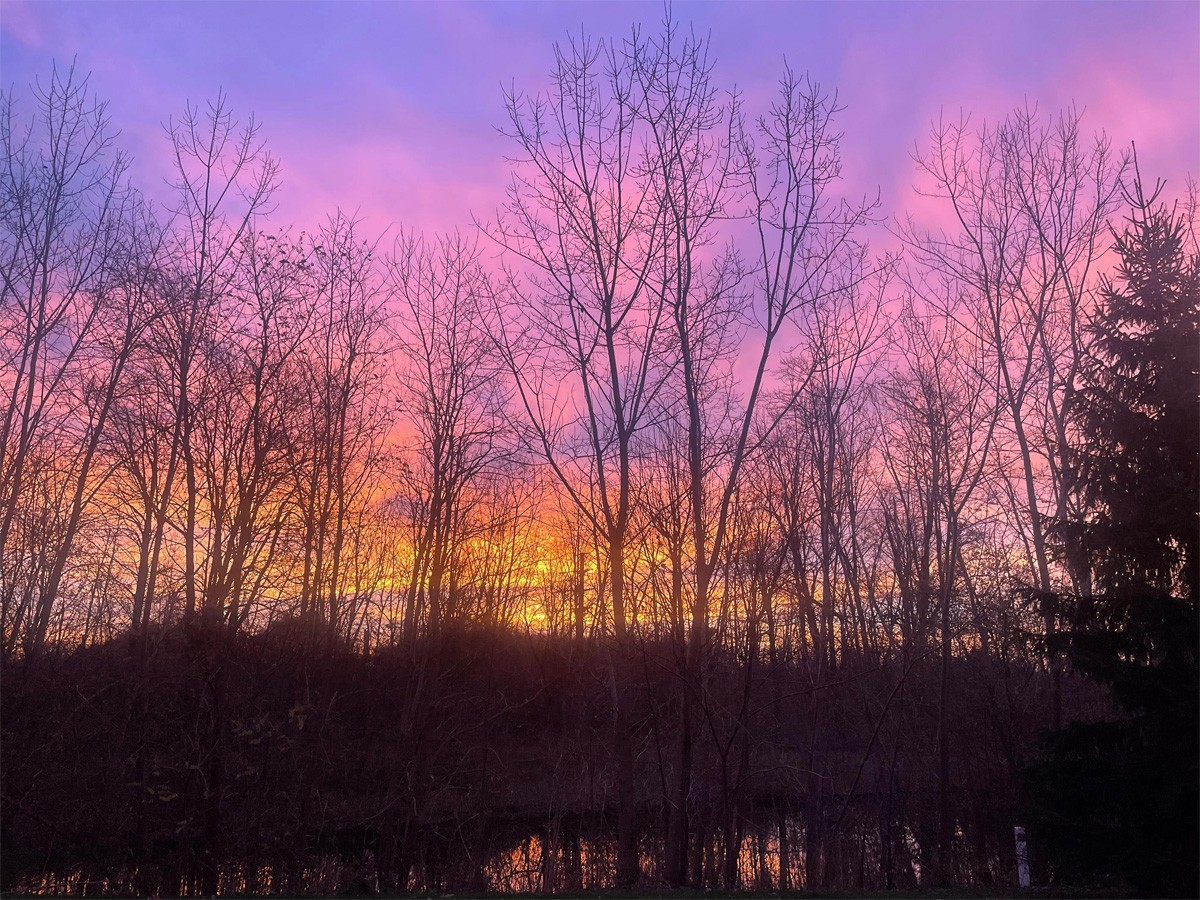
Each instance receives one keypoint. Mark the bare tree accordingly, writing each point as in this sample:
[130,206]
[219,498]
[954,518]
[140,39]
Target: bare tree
[581,327]
[452,401]
[241,440]
[451,404]
[1030,198]
[808,250]
[224,181]
[940,431]
[65,211]
[338,452]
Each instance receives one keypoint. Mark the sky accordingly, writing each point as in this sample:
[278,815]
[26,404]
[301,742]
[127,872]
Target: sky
[390,110]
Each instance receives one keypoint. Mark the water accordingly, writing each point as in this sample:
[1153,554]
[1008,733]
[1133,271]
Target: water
[561,856]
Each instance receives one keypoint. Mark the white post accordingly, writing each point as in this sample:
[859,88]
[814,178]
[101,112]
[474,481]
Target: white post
[1022,857]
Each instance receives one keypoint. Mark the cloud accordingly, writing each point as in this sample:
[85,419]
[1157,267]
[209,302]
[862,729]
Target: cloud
[21,21]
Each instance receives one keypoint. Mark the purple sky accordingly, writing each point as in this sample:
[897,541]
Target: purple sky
[390,108]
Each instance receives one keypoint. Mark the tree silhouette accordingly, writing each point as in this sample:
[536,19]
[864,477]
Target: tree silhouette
[1119,799]
[672,547]
[1139,425]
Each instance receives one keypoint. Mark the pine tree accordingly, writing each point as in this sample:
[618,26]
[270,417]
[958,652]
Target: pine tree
[1120,800]
[1138,416]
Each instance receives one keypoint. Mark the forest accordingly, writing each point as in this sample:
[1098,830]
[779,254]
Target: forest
[653,531]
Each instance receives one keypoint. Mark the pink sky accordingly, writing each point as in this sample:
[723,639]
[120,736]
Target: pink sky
[391,109]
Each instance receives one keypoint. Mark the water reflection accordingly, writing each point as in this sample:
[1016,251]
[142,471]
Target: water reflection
[772,854]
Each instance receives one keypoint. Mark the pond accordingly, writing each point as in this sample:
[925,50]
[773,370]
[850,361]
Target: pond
[565,854]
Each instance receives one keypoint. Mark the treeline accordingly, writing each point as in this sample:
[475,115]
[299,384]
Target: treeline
[655,532]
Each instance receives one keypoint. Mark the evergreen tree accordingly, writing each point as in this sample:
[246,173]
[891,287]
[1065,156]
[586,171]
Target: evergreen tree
[1119,799]
[1137,414]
